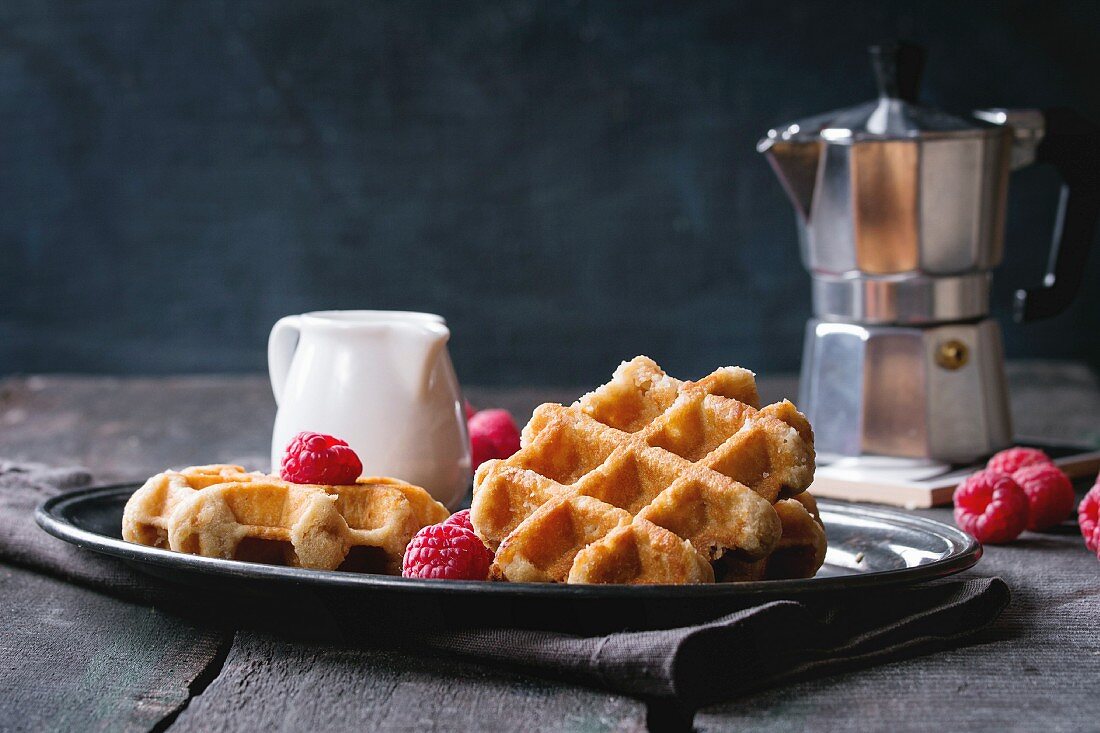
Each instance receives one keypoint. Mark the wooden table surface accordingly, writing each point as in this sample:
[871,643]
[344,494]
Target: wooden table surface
[1038,669]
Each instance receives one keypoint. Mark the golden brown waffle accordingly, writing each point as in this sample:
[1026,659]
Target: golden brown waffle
[229,514]
[585,540]
[799,553]
[365,526]
[262,521]
[145,518]
[714,421]
[640,552]
[697,459]
[382,515]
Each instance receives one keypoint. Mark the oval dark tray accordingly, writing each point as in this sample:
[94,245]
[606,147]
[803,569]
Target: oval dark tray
[868,548]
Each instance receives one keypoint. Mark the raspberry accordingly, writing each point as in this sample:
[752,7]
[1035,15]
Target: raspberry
[448,552]
[468,409]
[1049,492]
[462,519]
[493,434]
[1088,516]
[312,458]
[991,506]
[1011,460]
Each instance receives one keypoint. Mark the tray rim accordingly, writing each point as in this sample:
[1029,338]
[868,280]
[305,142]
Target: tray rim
[967,551]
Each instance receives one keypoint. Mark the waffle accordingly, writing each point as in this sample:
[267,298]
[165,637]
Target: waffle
[716,422]
[254,517]
[698,460]
[799,553]
[640,552]
[145,518]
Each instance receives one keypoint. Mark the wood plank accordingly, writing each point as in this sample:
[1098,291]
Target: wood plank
[124,429]
[128,429]
[1036,669]
[72,659]
[271,684]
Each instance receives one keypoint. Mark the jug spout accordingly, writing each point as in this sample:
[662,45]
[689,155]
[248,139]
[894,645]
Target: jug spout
[418,350]
[795,164]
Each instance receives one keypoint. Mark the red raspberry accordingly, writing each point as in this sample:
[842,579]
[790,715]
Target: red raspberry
[1088,516]
[312,458]
[462,519]
[1049,492]
[991,506]
[1011,460]
[493,434]
[446,551]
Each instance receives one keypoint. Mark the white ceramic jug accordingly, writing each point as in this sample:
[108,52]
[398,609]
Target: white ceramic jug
[382,381]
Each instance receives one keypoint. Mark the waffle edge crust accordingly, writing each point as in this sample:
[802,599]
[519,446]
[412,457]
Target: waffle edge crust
[649,479]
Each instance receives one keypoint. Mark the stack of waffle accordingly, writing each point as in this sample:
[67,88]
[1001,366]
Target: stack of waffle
[221,511]
[649,479]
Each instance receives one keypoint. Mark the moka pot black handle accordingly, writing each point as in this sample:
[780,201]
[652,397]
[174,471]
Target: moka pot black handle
[1072,145]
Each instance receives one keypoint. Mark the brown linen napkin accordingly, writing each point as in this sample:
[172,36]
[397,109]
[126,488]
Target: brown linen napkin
[691,665]
[23,486]
[750,649]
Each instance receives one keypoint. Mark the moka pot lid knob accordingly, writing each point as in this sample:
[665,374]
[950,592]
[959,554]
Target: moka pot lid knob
[894,115]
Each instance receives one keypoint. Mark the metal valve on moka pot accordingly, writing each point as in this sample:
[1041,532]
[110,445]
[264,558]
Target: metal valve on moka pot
[901,213]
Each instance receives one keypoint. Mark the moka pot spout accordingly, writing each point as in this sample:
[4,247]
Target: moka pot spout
[795,164]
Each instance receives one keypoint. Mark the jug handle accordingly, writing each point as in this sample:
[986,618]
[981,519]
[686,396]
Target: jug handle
[281,345]
[1071,144]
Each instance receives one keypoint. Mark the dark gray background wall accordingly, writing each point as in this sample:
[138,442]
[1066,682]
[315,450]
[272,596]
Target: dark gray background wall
[568,183]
